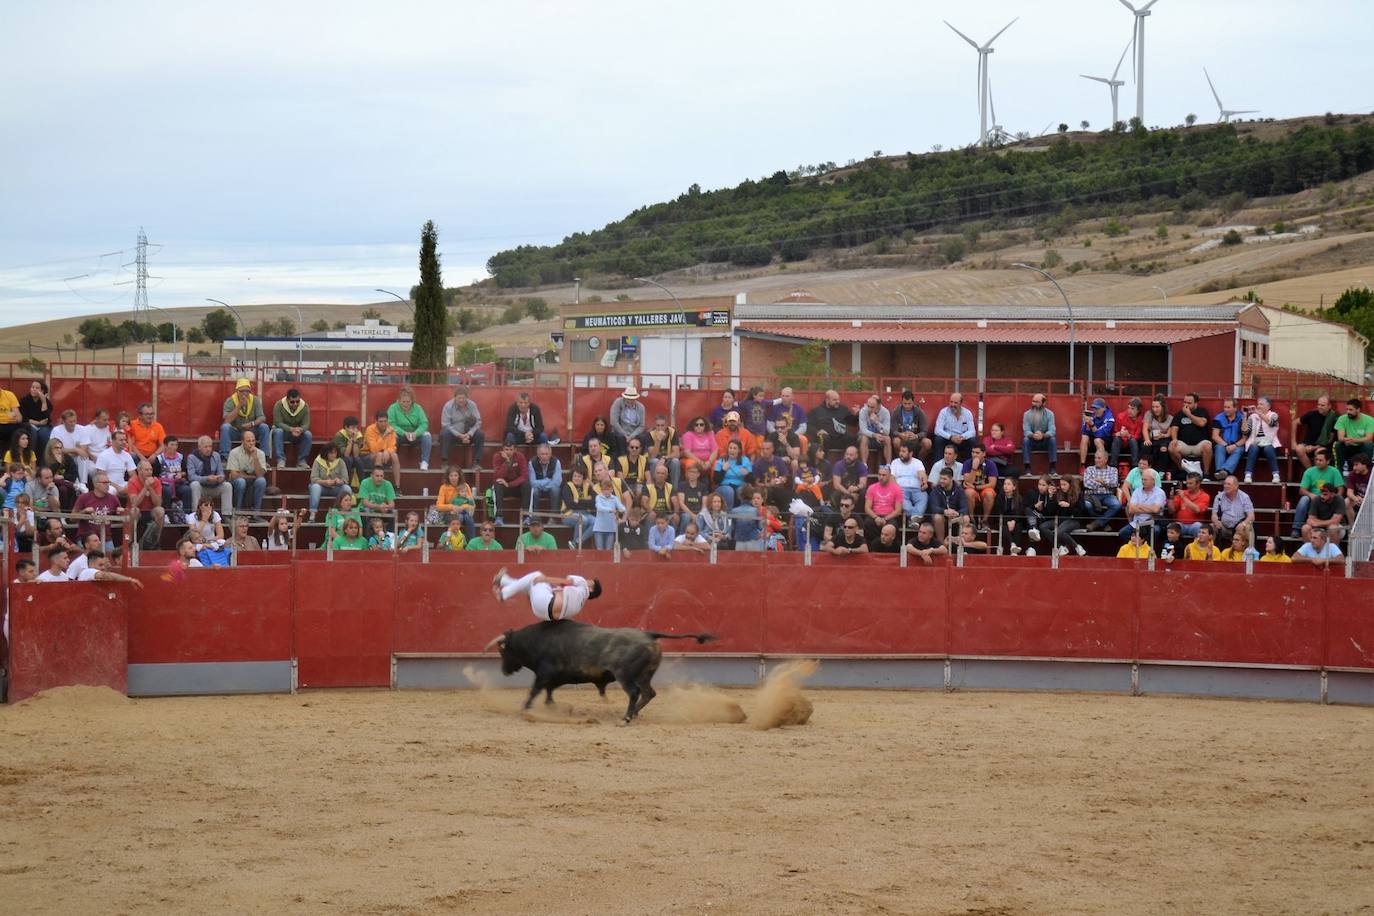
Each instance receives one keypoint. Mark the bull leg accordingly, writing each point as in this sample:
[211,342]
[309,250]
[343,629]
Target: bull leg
[534,692]
[601,684]
[643,684]
[548,698]
[647,693]
[632,691]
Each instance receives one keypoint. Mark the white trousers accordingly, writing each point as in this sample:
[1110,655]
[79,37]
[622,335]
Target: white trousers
[541,593]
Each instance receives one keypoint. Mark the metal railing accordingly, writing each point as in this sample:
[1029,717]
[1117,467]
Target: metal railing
[1360,541]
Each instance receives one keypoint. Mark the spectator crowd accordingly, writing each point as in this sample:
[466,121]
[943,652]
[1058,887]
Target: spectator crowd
[754,473]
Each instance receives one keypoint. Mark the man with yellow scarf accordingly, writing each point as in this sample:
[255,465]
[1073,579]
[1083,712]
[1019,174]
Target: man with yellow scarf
[291,423]
[242,411]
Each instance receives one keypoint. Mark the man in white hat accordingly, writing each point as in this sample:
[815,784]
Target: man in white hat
[242,410]
[627,415]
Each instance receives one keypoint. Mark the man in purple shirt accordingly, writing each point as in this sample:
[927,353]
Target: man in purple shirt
[848,477]
[100,501]
[786,405]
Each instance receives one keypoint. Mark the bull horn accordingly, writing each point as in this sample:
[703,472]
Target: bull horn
[498,641]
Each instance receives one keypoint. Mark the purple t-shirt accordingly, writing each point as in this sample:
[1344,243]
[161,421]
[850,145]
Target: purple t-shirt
[849,474]
[103,505]
[753,415]
[798,415]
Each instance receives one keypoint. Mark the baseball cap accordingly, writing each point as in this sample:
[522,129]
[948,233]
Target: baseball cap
[243,383]
[1099,404]
[732,415]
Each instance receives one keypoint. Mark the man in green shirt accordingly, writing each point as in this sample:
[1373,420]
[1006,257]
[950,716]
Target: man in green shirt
[376,493]
[411,424]
[1320,474]
[1354,433]
[291,423]
[536,540]
[486,538]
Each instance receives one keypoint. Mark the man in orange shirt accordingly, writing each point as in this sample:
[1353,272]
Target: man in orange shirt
[146,433]
[379,447]
[748,442]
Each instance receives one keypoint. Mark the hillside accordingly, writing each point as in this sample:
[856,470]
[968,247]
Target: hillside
[794,217]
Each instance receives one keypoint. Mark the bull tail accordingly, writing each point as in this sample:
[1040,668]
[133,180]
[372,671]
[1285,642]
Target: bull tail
[699,637]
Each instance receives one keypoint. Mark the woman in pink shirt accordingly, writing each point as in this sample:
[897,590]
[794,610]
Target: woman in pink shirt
[698,444]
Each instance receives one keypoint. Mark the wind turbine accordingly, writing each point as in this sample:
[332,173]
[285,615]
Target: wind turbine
[1224,113]
[995,134]
[1138,62]
[1113,83]
[983,93]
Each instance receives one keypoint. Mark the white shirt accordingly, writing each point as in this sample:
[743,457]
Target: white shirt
[71,441]
[48,575]
[88,574]
[909,474]
[77,567]
[98,438]
[574,595]
[682,539]
[119,465]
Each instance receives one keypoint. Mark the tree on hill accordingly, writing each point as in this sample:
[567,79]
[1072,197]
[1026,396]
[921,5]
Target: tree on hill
[430,346]
[474,351]
[218,325]
[1355,307]
[319,325]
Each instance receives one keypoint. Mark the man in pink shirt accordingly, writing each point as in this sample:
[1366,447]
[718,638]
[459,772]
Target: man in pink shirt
[882,503]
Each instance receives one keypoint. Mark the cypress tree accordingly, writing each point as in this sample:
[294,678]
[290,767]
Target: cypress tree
[430,324]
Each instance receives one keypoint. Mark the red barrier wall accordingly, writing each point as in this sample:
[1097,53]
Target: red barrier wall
[344,617]
[222,615]
[61,635]
[342,620]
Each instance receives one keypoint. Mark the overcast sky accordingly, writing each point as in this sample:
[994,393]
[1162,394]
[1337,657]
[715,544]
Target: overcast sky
[290,151]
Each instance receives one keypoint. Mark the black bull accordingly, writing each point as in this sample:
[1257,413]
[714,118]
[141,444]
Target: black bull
[566,652]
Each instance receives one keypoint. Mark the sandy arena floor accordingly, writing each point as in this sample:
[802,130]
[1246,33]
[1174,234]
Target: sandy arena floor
[382,802]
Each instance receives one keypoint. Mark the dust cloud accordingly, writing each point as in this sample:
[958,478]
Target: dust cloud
[780,700]
[694,704]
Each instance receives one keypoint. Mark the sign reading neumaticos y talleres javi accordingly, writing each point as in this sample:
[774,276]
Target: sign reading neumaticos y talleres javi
[665,319]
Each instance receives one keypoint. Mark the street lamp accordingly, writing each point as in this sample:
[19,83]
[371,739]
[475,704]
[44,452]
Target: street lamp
[1068,305]
[398,296]
[243,328]
[681,311]
[898,292]
[300,329]
[1160,290]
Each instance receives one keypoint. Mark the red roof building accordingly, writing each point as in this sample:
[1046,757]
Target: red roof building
[1190,346]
